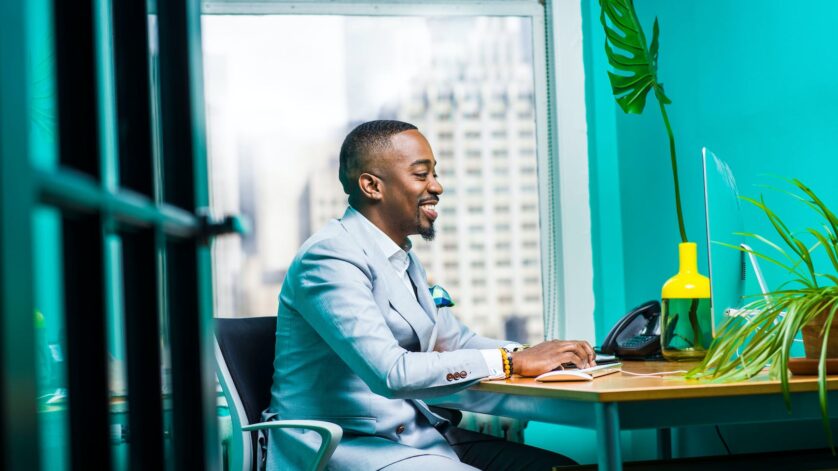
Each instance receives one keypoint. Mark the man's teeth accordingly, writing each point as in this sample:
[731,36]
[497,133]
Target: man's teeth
[432,207]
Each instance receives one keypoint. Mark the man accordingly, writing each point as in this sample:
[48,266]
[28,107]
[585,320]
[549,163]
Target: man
[360,341]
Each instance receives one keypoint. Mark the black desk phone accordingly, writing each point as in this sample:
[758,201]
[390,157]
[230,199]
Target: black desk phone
[637,334]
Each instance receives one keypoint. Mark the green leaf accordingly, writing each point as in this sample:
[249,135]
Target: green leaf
[635,64]
[822,380]
[741,351]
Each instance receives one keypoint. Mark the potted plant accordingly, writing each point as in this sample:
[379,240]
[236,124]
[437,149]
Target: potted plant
[806,302]
[686,317]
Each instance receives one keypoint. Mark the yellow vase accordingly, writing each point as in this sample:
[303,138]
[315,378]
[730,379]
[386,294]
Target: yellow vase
[686,321]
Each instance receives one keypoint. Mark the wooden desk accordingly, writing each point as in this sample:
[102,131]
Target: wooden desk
[624,402]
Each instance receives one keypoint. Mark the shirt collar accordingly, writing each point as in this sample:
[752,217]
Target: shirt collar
[391,250]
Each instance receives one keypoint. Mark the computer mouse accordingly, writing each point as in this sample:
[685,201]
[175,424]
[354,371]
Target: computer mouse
[564,375]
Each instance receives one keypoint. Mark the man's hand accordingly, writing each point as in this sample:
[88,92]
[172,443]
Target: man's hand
[549,355]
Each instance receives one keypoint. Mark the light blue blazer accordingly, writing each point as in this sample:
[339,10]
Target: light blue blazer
[354,347]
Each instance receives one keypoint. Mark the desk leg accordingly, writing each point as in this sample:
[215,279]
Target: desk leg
[608,436]
[665,443]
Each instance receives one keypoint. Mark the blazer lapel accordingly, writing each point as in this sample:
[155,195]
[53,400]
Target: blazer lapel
[417,274]
[399,296]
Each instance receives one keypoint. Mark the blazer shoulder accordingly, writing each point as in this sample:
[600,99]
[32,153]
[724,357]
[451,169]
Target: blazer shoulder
[332,243]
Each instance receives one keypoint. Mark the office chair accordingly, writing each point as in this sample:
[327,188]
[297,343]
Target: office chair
[244,351]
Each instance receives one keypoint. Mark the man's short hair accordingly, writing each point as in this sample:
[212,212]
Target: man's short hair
[360,144]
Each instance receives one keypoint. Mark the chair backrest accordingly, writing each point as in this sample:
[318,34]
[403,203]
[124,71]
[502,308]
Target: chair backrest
[245,357]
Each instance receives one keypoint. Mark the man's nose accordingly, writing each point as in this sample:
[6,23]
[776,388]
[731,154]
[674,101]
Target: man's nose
[435,186]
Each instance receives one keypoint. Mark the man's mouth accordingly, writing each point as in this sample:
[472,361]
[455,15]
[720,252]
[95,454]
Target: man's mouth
[429,209]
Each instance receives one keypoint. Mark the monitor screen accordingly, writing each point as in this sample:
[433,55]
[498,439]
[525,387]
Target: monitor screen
[723,213]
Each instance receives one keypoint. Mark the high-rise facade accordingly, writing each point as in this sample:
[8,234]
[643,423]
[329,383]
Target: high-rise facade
[475,106]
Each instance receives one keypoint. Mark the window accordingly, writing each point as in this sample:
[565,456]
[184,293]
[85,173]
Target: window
[265,96]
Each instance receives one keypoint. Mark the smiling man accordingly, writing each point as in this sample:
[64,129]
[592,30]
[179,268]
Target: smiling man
[360,341]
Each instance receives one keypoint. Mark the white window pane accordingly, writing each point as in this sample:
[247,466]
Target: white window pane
[283,91]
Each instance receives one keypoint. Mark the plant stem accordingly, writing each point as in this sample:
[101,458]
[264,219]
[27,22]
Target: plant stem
[694,323]
[674,161]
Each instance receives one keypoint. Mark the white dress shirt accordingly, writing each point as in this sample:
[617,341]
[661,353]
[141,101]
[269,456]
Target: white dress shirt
[400,261]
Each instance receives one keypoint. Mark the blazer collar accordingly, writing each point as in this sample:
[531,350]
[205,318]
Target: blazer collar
[418,315]
[417,274]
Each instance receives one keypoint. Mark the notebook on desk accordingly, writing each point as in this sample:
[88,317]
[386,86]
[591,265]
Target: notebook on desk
[585,374]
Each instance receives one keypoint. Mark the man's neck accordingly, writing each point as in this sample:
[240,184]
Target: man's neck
[379,221]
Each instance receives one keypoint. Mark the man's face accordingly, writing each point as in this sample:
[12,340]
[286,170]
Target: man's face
[410,189]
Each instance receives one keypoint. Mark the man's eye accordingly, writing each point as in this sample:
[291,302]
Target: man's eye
[422,175]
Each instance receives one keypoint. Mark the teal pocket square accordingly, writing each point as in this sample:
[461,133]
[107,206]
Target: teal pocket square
[441,297]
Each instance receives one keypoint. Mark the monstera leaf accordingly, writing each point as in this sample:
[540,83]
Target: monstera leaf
[636,73]
[636,65]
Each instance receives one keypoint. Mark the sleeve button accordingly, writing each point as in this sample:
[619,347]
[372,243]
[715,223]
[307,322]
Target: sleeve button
[400,429]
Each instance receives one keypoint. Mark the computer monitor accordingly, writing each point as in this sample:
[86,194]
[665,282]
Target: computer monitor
[723,216]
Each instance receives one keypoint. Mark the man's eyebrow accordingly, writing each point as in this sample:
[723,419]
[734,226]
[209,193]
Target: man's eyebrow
[421,162]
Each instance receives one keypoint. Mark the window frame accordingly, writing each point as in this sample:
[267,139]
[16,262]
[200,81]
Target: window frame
[558,180]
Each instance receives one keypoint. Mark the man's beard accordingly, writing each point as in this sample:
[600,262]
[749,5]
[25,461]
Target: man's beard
[427,233]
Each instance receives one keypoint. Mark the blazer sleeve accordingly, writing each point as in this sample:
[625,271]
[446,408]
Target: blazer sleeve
[454,335]
[332,289]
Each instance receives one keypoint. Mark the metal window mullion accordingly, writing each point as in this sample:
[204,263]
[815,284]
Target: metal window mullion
[71,190]
[184,178]
[114,328]
[374,8]
[140,274]
[552,268]
[106,102]
[19,436]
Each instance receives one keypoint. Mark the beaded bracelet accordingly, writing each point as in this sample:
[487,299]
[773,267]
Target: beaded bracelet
[507,365]
[511,368]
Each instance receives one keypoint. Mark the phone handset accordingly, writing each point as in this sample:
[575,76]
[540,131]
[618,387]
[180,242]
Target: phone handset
[637,334]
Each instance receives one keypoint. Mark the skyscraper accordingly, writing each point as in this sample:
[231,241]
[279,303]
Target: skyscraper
[475,106]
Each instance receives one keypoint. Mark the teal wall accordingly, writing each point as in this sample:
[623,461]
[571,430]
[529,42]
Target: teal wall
[752,80]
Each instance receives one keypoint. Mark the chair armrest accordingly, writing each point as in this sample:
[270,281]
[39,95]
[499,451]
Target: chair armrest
[330,434]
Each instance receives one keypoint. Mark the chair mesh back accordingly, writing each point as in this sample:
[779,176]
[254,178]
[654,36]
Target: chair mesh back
[247,344]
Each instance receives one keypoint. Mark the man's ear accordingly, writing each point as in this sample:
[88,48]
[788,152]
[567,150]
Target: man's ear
[370,186]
